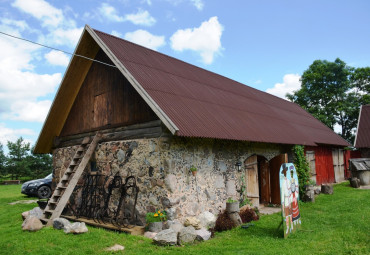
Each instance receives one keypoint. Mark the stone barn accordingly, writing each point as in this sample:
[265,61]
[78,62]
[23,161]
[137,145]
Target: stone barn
[156,117]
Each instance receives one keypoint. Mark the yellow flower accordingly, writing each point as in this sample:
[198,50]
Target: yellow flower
[156,215]
[161,214]
[159,211]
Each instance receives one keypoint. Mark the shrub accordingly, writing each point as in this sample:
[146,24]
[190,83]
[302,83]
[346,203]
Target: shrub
[223,222]
[248,215]
[156,216]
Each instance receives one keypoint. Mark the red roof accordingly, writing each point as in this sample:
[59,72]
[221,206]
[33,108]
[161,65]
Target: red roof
[204,104]
[363,128]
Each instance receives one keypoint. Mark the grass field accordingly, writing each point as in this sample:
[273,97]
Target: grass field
[335,224]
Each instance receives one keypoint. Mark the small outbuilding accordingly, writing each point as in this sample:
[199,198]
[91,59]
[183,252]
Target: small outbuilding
[362,140]
[159,116]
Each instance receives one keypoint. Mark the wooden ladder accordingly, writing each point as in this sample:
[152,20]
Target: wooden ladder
[68,182]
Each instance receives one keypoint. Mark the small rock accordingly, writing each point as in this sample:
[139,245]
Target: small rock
[192,221]
[317,191]
[32,223]
[207,219]
[170,182]
[76,228]
[174,201]
[355,182]
[327,189]
[203,234]
[115,247]
[166,237]
[171,213]
[60,223]
[187,235]
[149,234]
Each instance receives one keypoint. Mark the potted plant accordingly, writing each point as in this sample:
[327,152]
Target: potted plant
[155,220]
[232,205]
[193,170]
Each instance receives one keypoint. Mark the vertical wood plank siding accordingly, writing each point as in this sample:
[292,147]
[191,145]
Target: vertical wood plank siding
[323,163]
[106,99]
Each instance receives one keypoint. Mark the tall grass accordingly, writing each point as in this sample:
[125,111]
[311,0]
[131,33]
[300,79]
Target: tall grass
[335,224]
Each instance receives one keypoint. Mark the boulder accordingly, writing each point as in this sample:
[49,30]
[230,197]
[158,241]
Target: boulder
[317,191]
[187,235]
[32,223]
[37,212]
[207,219]
[192,221]
[309,196]
[203,234]
[149,234]
[166,237]
[25,215]
[115,247]
[355,182]
[176,226]
[327,189]
[75,228]
[60,223]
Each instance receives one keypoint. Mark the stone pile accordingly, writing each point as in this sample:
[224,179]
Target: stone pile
[175,233]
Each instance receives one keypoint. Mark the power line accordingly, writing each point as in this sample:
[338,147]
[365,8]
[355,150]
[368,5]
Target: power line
[72,54]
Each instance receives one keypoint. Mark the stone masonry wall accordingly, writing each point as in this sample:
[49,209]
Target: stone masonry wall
[161,166]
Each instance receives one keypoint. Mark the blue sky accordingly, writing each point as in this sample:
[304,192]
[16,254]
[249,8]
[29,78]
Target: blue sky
[264,44]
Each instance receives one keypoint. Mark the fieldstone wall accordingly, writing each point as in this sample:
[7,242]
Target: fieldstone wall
[161,166]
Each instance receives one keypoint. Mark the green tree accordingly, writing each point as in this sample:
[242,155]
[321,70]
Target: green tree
[333,93]
[40,165]
[3,170]
[18,158]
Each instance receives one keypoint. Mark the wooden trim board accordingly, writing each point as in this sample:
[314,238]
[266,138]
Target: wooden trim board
[133,230]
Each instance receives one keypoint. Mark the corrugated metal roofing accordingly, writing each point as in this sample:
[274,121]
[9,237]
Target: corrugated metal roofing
[363,129]
[204,104]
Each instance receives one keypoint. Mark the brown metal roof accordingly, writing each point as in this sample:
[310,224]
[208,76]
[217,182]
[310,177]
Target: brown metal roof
[363,128]
[204,104]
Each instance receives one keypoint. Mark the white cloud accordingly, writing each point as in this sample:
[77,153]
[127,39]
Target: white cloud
[198,4]
[146,39]
[57,58]
[41,10]
[148,2]
[8,134]
[291,82]
[61,30]
[141,18]
[206,39]
[116,33]
[110,13]
[30,111]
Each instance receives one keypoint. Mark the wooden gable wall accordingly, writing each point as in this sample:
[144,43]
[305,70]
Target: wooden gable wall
[106,99]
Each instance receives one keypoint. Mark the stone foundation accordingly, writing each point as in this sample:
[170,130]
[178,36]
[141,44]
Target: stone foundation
[161,166]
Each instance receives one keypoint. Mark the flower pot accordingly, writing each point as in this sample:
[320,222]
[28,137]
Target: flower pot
[194,173]
[156,226]
[232,207]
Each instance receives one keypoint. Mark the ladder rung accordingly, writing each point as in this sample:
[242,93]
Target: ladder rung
[48,211]
[80,149]
[86,140]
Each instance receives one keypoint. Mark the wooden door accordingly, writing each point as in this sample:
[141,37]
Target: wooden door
[264,181]
[338,164]
[100,110]
[275,165]
[251,174]
[310,157]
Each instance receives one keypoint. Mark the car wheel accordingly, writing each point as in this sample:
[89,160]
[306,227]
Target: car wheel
[44,192]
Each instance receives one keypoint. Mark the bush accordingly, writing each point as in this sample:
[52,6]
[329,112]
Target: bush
[223,222]
[248,215]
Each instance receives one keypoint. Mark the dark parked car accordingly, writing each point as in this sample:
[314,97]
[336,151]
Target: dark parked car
[40,188]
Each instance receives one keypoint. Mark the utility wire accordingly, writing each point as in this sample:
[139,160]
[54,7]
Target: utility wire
[72,54]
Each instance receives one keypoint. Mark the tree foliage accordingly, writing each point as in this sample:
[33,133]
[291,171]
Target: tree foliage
[333,93]
[20,162]
[302,167]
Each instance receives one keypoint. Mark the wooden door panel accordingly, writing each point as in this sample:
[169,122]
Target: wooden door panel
[264,181]
[251,168]
[275,165]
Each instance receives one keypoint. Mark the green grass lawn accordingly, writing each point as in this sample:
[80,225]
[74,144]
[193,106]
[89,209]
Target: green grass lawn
[335,224]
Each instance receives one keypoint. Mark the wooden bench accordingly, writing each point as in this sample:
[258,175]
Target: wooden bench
[11,182]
